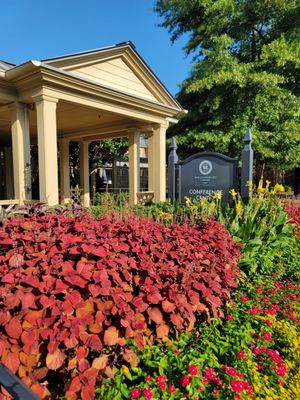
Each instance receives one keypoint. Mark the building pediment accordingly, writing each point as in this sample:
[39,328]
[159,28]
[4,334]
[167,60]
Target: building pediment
[118,67]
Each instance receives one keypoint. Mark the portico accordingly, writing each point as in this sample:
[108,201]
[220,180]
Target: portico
[84,97]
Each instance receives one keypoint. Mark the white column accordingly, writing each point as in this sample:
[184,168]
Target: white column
[150,162]
[27,156]
[64,157]
[134,166]
[8,171]
[85,172]
[47,149]
[21,152]
[157,162]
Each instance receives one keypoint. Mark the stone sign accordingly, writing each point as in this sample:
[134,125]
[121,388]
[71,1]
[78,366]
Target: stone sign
[205,174]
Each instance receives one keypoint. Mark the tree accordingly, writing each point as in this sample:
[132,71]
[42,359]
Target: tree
[246,72]
[100,153]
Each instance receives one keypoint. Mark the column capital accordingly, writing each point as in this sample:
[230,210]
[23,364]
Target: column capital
[43,97]
[163,125]
[19,106]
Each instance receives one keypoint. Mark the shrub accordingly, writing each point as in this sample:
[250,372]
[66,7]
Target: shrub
[293,210]
[253,352]
[73,289]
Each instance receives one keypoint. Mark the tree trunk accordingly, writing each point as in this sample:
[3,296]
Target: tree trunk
[297,181]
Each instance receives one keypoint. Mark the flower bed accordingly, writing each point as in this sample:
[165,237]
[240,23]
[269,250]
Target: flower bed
[253,353]
[73,290]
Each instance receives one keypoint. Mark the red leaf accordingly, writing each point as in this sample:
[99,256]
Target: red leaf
[55,360]
[95,343]
[13,328]
[8,278]
[97,251]
[16,261]
[167,306]
[76,280]
[177,320]
[155,314]
[100,362]
[140,305]
[83,365]
[111,336]
[11,361]
[88,392]
[162,331]
[27,299]
[40,390]
[82,352]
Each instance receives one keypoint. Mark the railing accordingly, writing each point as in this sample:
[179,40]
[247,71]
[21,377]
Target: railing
[76,195]
[289,196]
[11,202]
[145,197]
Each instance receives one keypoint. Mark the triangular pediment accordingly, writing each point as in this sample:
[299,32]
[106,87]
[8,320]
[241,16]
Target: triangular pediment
[119,68]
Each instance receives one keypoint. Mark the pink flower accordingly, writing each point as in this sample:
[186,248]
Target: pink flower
[237,386]
[231,371]
[160,378]
[185,380]
[148,378]
[148,393]
[171,389]
[162,385]
[281,370]
[240,355]
[244,299]
[177,351]
[230,317]
[268,322]
[215,392]
[193,370]
[135,393]
[267,336]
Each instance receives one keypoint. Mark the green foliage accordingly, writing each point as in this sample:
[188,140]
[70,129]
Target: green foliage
[247,352]
[246,73]
[262,227]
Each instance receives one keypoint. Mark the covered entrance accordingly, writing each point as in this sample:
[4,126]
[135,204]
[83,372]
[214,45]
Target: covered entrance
[84,97]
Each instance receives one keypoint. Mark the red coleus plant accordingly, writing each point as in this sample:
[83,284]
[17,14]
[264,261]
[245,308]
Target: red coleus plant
[72,290]
[293,210]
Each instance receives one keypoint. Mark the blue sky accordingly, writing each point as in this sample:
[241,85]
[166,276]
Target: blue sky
[38,29]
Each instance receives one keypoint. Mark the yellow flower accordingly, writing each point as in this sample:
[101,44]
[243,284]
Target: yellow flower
[267,184]
[125,369]
[203,201]
[278,188]
[238,208]
[233,193]
[249,184]
[187,200]
[260,189]
[218,196]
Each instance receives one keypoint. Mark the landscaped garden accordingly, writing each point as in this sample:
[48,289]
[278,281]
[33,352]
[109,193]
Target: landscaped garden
[164,301]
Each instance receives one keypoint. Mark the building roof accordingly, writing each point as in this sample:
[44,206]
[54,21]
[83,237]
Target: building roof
[4,66]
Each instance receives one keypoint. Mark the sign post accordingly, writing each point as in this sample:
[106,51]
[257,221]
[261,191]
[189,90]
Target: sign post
[247,167]
[205,174]
[172,162]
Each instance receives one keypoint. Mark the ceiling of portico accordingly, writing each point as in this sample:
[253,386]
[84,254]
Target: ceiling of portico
[74,122]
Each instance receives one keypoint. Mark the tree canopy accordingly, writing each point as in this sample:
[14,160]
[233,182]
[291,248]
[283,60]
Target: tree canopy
[246,73]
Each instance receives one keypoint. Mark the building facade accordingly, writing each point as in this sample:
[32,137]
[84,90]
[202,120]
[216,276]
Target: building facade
[83,97]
